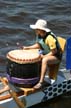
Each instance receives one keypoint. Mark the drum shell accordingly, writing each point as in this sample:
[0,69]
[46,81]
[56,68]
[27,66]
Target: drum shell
[29,73]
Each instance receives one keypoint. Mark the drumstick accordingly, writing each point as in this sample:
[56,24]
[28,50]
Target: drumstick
[13,94]
[19,45]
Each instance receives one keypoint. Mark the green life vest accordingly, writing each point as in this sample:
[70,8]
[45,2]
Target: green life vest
[45,47]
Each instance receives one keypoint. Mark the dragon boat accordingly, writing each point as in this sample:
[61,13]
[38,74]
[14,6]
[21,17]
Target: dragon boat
[26,96]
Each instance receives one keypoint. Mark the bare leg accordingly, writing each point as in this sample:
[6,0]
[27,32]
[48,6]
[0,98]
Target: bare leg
[45,61]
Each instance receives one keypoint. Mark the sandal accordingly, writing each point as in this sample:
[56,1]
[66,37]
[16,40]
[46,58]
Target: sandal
[38,85]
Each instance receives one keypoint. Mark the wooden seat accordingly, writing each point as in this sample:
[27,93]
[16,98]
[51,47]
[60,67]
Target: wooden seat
[53,68]
[28,91]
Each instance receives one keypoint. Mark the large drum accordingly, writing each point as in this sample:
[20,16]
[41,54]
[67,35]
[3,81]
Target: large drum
[23,67]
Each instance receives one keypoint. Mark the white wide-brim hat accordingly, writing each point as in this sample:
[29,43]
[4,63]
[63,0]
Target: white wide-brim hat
[40,24]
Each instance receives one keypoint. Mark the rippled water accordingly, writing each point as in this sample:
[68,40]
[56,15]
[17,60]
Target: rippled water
[17,15]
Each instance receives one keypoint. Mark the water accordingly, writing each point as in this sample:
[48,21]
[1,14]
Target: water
[17,15]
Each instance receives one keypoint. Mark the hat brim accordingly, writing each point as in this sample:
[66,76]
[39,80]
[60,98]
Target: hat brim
[35,27]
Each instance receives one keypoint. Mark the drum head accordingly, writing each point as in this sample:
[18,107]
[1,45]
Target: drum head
[24,56]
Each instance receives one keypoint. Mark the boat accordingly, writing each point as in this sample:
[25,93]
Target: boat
[29,96]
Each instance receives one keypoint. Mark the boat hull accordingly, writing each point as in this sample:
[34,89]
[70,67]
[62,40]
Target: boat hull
[61,86]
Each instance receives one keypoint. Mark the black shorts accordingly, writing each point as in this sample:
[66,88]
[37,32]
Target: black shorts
[59,55]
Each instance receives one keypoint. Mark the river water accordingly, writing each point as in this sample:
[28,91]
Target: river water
[15,18]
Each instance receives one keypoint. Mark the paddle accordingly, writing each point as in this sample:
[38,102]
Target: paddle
[13,94]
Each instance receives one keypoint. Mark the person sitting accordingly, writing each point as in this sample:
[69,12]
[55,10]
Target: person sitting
[48,43]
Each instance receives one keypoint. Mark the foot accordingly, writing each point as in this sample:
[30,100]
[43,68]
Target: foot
[38,85]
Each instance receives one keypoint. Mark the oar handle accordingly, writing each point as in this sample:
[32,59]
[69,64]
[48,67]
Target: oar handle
[18,102]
